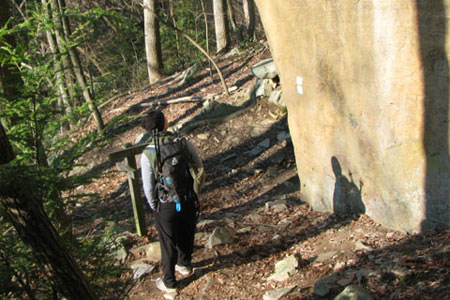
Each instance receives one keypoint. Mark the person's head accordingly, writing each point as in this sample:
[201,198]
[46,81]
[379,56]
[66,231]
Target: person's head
[154,120]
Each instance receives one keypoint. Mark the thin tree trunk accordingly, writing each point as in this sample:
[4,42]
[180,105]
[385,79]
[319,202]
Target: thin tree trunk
[205,17]
[68,68]
[89,56]
[6,148]
[249,14]
[190,39]
[221,28]
[234,27]
[177,38]
[60,79]
[152,41]
[81,80]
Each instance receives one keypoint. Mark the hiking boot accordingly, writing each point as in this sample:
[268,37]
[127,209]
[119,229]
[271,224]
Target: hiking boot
[183,270]
[163,288]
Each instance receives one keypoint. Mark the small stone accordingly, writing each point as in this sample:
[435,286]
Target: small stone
[205,222]
[345,281]
[272,204]
[362,273]
[254,218]
[257,131]
[121,254]
[141,269]
[325,256]
[278,293]
[283,135]
[359,245]
[264,144]
[244,252]
[232,89]
[285,268]
[245,229]
[153,251]
[201,236]
[353,292]
[219,236]
[203,136]
[339,265]
[277,98]
[321,288]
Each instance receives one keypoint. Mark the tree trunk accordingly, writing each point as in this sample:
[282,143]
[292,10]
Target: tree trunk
[58,66]
[249,14]
[177,38]
[5,147]
[67,64]
[205,18]
[25,212]
[199,47]
[78,70]
[232,20]
[9,75]
[222,37]
[152,41]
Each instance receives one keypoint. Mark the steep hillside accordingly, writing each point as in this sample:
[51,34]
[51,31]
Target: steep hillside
[253,192]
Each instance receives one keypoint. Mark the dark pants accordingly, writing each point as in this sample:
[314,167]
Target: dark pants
[176,232]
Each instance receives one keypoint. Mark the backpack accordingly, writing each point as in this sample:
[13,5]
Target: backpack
[174,181]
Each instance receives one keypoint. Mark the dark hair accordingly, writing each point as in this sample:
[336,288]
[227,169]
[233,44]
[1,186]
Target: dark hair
[153,120]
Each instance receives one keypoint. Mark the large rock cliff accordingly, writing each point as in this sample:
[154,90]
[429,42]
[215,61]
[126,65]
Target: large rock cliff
[366,87]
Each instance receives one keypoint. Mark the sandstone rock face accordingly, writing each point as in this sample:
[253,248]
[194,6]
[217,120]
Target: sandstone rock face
[366,87]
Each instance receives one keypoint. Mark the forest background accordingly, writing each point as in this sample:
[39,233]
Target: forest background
[60,61]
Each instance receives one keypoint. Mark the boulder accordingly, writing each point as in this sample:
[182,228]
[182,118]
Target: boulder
[366,89]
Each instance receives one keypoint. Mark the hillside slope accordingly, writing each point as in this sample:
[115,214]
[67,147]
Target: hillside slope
[252,191]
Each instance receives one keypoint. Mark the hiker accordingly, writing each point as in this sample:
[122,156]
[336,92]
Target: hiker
[174,209]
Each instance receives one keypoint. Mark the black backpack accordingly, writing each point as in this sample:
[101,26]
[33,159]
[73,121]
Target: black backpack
[174,181]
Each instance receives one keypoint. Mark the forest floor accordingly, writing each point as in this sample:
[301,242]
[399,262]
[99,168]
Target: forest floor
[249,161]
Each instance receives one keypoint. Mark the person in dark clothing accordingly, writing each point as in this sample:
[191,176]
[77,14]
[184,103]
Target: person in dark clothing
[175,226]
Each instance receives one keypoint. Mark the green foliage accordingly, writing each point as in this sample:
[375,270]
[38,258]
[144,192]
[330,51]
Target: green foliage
[96,257]
[182,53]
[32,113]
[19,275]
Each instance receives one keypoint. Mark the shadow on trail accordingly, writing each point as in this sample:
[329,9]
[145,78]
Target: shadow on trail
[220,165]
[431,268]
[188,89]
[268,247]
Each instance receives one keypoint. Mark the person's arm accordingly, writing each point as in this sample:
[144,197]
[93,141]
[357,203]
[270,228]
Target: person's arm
[195,167]
[148,181]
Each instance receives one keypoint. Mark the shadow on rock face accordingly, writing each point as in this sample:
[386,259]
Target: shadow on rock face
[347,195]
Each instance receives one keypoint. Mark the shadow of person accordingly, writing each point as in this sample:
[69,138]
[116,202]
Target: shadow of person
[347,195]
